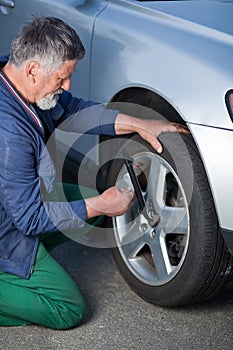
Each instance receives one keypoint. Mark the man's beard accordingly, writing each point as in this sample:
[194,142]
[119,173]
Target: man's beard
[49,101]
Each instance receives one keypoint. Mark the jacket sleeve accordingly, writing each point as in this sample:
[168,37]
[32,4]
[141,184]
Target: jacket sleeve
[20,194]
[86,116]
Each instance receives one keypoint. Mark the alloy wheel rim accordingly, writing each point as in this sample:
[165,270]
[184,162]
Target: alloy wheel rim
[154,254]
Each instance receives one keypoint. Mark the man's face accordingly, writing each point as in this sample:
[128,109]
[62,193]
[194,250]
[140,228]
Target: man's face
[49,87]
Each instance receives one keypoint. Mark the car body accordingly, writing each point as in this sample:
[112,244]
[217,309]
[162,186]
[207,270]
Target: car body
[173,57]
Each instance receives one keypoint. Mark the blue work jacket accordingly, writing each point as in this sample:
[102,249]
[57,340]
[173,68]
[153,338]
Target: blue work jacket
[25,162]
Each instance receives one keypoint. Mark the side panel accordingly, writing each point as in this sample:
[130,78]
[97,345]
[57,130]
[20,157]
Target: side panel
[187,65]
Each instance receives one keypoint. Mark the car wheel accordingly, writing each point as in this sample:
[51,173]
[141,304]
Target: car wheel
[180,258]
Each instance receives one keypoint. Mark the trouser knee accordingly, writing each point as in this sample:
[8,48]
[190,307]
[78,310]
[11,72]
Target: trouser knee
[68,316]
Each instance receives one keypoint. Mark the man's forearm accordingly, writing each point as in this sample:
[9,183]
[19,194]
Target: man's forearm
[125,124]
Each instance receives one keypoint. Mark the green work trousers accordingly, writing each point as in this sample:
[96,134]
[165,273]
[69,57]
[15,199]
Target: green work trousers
[50,297]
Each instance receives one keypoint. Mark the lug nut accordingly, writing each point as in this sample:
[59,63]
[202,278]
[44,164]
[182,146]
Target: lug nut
[153,234]
[143,228]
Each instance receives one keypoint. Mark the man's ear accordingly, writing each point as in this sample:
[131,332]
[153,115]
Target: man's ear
[31,70]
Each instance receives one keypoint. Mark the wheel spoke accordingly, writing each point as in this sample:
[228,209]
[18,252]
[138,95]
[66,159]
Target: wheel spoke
[127,227]
[175,220]
[131,249]
[160,258]
[156,180]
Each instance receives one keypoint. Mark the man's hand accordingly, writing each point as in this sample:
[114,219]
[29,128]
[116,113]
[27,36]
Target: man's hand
[153,128]
[148,129]
[112,202]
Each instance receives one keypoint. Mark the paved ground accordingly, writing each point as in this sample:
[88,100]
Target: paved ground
[116,318]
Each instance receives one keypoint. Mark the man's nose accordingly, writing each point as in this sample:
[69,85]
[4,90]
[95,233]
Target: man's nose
[66,84]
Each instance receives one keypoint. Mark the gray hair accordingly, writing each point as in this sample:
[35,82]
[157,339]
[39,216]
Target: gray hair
[47,40]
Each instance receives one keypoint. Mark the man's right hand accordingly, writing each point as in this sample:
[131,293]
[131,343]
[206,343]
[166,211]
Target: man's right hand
[112,202]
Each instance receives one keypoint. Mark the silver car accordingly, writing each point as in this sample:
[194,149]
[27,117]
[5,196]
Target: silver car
[158,59]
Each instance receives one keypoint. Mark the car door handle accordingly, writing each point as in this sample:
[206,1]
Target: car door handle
[7,3]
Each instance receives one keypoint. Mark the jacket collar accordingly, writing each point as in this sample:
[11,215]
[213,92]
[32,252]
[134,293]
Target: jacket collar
[55,113]
[12,90]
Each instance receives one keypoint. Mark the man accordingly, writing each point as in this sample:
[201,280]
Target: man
[34,100]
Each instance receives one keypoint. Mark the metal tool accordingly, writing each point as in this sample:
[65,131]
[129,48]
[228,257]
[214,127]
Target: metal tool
[154,218]
[137,189]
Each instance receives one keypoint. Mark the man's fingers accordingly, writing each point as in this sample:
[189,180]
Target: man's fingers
[129,193]
[171,127]
[156,144]
[179,128]
[124,189]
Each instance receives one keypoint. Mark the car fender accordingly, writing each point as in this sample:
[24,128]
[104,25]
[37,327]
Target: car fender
[192,79]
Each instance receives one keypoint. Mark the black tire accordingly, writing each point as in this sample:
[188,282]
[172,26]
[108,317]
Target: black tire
[196,262]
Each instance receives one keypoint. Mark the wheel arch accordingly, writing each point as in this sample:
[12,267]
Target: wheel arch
[146,98]
[150,99]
